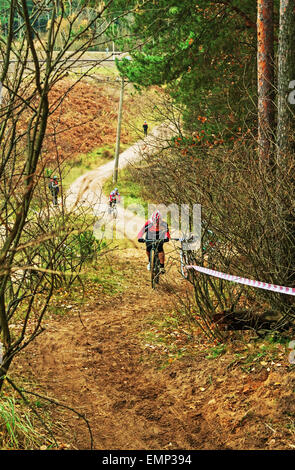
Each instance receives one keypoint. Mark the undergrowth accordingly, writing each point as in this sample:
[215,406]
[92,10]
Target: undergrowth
[18,429]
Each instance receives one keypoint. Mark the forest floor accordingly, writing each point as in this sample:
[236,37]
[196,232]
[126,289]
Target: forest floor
[144,375]
[145,379]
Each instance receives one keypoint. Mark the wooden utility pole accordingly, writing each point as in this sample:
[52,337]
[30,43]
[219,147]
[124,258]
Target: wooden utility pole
[265,78]
[117,151]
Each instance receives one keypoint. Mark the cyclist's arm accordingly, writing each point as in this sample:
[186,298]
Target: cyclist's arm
[143,230]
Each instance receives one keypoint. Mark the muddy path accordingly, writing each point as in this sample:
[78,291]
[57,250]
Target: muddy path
[98,359]
[97,367]
[93,361]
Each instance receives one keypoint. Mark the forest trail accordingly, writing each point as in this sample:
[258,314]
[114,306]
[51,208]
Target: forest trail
[87,189]
[93,361]
[109,359]
[126,362]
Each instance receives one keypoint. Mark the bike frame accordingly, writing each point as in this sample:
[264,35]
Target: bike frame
[113,209]
[154,262]
[183,256]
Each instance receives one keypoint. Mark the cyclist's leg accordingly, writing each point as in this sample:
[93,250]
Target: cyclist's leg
[55,197]
[148,252]
[154,266]
[161,256]
[114,209]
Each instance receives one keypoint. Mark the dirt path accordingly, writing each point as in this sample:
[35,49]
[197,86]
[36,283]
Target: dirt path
[98,370]
[98,359]
[101,363]
[96,365]
[87,189]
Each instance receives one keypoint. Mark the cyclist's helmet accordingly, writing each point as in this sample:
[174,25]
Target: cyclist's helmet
[156,217]
[55,177]
[116,190]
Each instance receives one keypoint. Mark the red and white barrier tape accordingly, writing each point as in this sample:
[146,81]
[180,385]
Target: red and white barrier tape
[242,280]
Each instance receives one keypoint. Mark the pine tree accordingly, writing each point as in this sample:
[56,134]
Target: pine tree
[202,52]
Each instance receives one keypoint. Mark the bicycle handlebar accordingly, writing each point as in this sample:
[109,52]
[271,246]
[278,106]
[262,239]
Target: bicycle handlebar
[191,239]
[155,240]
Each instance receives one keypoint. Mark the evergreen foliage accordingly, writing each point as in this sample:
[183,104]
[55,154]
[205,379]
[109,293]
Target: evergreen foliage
[204,53]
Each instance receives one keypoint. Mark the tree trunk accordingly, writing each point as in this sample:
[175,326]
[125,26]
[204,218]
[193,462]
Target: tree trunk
[265,77]
[285,139]
[286,77]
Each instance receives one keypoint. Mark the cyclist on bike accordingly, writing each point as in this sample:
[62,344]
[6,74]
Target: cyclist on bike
[114,195]
[155,229]
[54,189]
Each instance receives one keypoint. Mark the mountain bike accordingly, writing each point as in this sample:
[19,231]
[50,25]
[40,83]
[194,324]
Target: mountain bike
[184,255]
[113,209]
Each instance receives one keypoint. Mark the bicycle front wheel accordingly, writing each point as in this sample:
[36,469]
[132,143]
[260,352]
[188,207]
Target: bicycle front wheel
[155,268]
[183,264]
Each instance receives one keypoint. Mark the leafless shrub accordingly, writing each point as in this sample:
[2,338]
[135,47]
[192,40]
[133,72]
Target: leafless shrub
[248,211]
[40,246]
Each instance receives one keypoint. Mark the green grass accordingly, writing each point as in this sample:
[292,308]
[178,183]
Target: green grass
[109,70]
[106,69]
[86,162]
[16,428]
[216,351]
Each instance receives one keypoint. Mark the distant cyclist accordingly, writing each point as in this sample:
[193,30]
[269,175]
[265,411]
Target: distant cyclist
[114,197]
[155,229]
[145,128]
[54,189]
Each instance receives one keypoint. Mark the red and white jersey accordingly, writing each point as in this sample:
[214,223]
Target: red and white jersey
[159,231]
[113,196]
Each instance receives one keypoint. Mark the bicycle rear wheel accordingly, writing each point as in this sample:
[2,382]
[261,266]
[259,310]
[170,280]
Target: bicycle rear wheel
[183,264]
[155,268]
